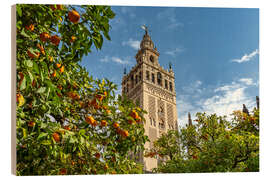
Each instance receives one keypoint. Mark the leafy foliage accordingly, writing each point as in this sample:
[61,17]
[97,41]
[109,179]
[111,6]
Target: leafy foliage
[212,144]
[66,120]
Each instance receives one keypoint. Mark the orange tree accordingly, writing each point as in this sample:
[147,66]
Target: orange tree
[212,144]
[68,123]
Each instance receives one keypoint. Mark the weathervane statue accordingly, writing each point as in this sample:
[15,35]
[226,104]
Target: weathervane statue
[144,27]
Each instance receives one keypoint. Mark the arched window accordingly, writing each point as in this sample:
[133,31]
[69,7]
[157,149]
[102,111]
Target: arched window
[171,88]
[166,84]
[152,58]
[159,78]
[147,75]
[153,78]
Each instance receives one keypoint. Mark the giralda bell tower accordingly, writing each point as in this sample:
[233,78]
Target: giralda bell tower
[153,87]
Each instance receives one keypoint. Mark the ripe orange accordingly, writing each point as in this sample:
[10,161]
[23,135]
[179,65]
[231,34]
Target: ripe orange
[58,65]
[134,114]
[90,120]
[104,123]
[55,40]
[59,7]
[31,27]
[54,74]
[67,128]
[74,16]
[56,137]
[97,155]
[60,87]
[139,119]
[44,36]
[125,133]
[115,125]
[99,97]
[131,122]
[72,163]
[41,49]
[31,123]
[73,38]
[50,58]
[63,171]
[62,69]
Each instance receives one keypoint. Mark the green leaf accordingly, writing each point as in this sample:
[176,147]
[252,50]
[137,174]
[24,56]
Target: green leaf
[24,132]
[24,34]
[30,76]
[42,135]
[46,142]
[29,63]
[23,85]
[41,90]
[19,10]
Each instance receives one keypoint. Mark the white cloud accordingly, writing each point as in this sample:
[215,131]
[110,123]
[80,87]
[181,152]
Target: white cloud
[246,57]
[175,51]
[222,100]
[135,44]
[116,60]
[247,81]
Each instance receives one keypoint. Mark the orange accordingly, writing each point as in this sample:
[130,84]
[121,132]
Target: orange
[72,163]
[67,128]
[103,123]
[56,137]
[55,40]
[31,124]
[50,58]
[63,171]
[44,36]
[59,7]
[62,69]
[99,97]
[131,122]
[54,74]
[41,49]
[97,155]
[125,133]
[58,65]
[134,114]
[74,16]
[90,120]
[73,38]
[115,125]
[59,87]
[31,27]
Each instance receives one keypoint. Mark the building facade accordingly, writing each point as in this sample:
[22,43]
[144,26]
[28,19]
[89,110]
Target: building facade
[153,87]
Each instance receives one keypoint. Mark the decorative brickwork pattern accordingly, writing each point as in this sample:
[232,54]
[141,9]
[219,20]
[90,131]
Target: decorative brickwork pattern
[170,117]
[152,107]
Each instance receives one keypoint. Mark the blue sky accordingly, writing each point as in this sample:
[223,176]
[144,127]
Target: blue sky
[214,52]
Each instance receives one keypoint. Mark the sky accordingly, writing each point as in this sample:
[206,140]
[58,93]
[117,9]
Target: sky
[214,53]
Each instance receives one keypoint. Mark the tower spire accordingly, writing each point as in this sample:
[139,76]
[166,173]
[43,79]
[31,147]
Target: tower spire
[189,119]
[257,102]
[245,110]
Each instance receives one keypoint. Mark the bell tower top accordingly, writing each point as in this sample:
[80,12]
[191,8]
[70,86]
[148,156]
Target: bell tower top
[147,49]
[146,43]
